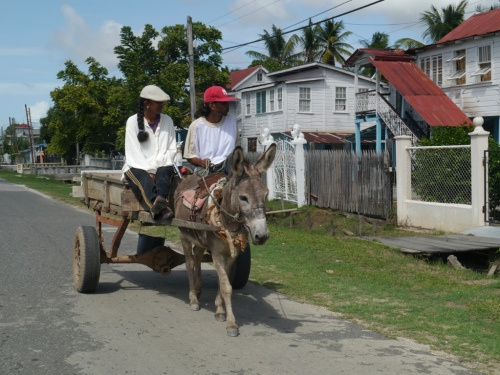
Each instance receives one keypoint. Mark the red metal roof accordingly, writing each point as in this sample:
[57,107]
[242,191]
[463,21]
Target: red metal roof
[430,102]
[239,75]
[396,54]
[478,24]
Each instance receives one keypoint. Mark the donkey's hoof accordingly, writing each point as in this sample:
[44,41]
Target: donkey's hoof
[220,317]
[232,332]
[194,307]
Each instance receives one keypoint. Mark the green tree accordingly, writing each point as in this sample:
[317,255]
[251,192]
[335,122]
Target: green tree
[333,39]
[407,43]
[310,43]
[281,52]
[11,145]
[91,108]
[81,112]
[379,40]
[440,24]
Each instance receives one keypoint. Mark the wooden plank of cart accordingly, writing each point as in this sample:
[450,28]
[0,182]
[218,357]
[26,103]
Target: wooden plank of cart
[115,204]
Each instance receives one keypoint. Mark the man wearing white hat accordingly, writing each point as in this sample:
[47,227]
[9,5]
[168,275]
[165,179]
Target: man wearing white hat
[149,151]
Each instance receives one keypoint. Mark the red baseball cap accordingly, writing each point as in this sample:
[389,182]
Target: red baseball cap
[216,94]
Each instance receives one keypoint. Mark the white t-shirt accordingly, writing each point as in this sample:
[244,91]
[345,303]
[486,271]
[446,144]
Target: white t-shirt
[157,151]
[206,140]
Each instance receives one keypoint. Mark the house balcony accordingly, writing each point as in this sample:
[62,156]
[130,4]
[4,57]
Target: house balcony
[373,103]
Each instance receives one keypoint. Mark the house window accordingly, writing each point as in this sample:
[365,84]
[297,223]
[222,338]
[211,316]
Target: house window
[459,67]
[433,67]
[280,99]
[252,145]
[340,99]
[484,63]
[260,106]
[247,105]
[259,77]
[271,100]
[304,99]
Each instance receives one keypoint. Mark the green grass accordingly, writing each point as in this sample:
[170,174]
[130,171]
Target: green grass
[398,295]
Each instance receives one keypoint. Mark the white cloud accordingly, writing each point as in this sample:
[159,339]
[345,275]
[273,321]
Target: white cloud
[79,41]
[39,110]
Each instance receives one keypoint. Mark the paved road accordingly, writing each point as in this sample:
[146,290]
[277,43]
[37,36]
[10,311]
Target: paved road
[139,322]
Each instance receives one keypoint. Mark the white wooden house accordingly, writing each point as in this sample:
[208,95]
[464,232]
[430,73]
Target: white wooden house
[465,64]
[318,97]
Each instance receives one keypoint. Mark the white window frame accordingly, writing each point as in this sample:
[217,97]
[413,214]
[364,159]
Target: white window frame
[259,76]
[271,100]
[484,65]
[248,105]
[458,74]
[305,99]
[432,66]
[339,100]
[260,102]
[280,99]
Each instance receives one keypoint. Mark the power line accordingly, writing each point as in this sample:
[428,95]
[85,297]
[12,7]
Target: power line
[243,6]
[256,10]
[336,6]
[303,27]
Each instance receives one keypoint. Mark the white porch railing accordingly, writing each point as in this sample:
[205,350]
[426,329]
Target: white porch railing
[369,101]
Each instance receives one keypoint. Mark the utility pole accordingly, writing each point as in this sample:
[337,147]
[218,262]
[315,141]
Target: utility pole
[13,135]
[192,93]
[30,133]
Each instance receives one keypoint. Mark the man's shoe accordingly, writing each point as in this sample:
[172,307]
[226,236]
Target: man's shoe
[159,204]
[168,214]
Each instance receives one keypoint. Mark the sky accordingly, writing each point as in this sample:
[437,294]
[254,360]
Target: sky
[37,37]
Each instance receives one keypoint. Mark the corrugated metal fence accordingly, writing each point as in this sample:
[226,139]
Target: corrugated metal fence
[343,181]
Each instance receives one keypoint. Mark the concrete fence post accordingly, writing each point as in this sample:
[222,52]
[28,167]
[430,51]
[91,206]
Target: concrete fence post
[478,144]
[403,176]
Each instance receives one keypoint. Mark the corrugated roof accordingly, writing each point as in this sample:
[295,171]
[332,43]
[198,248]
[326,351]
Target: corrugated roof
[422,93]
[363,53]
[239,75]
[323,137]
[478,24]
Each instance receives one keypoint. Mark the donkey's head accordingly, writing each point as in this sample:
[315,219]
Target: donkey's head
[248,193]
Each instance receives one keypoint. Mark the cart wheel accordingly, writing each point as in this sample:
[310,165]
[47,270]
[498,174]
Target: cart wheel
[241,269]
[86,259]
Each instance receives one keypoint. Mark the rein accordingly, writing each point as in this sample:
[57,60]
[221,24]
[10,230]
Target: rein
[235,217]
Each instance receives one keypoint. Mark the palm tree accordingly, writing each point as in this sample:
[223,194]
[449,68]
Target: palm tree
[379,40]
[332,37]
[310,43]
[407,43]
[280,51]
[440,24]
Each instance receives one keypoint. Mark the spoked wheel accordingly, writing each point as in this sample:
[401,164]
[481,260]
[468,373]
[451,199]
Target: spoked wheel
[86,259]
[241,269]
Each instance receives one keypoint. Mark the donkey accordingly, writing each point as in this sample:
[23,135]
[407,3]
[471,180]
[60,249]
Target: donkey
[239,209]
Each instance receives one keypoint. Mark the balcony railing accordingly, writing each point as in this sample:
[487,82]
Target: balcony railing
[371,101]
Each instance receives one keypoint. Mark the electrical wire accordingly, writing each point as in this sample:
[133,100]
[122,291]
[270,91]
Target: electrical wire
[302,27]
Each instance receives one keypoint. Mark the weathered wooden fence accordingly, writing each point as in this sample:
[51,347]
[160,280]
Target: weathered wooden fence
[344,181]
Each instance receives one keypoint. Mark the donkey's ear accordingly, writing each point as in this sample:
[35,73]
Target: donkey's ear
[266,159]
[237,162]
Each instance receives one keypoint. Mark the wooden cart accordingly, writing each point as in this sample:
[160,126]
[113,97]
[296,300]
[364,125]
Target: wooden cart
[115,204]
